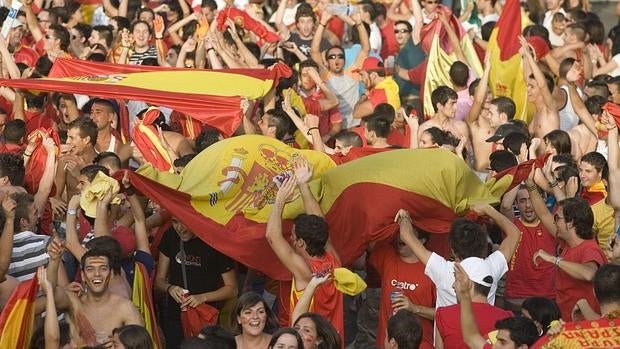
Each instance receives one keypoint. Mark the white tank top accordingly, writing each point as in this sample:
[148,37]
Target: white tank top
[568,116]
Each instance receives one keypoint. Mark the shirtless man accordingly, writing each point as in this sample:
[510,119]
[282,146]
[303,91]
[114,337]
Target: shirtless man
[444,103]
[483,122]
[103,114]
[81,140]
[97,311]
[539,89]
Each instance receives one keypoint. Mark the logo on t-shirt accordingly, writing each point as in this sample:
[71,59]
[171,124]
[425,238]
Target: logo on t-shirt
[188,260]
[403,285]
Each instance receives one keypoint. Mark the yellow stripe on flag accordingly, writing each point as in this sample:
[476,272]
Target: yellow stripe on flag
[194,82]
[142,299]
[17,317]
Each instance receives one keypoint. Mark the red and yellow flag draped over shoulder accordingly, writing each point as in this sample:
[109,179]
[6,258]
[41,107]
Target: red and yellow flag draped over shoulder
[17,318]
[506,74]
[210,96]
[225,195]
[441,55]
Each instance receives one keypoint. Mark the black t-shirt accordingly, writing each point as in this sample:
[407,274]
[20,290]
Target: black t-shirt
[304,45]
[203,264]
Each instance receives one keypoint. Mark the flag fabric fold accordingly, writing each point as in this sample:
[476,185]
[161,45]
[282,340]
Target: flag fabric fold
[210,96]
[142,298]
[244,20]
[36,165]
[506,74]
[146,138]
[17,317]
[225,196]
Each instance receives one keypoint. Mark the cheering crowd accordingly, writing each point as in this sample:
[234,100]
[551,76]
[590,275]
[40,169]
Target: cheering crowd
[365,79]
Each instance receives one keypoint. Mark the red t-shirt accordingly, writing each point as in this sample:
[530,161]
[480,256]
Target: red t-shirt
[35,120]
[326,118]
[571,290]
[11,148]
[448,321]
[327,300]
[524,279]
[400,139]
[417,287]
[26,55]
[356,153]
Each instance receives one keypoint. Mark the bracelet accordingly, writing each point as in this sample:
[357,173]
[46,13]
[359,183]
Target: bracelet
[123,46]
[156,38]
[554,183]
[557,261]
[611,128]
[325,25]
[210,49]
[168,288]
[27,155]
[71,212]
[310,130]
[531,188]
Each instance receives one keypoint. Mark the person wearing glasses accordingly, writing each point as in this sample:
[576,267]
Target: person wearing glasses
[581,255]
[341,79]
[534,236]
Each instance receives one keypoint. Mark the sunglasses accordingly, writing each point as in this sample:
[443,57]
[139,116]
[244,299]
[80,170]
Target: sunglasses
[401,31]
[336,56]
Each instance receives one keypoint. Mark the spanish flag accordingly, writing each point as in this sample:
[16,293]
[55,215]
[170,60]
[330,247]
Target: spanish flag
[142,298]
[441,55]
[586,334]
[506,75]
[17,317]
[210,96]
[225,195]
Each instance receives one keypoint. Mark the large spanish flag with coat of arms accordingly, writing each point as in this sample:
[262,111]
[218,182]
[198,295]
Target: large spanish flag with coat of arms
[225,195]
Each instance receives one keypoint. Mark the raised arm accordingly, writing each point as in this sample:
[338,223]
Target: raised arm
[49,172]
[454,40]
[612,159]
[291,260]
[480,95]
[538,75]
[139,226]
[305,301]
[580,108]
[469,328]
[31,21]
[507,201]
[315,46]
[408,236]
[303,173]
[73,242]
[102,221]
[6,240]
[282,29]
[513,234]
[51,327]
[539,206]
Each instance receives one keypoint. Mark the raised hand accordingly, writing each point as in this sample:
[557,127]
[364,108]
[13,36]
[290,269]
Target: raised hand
[158,26]
[302,170]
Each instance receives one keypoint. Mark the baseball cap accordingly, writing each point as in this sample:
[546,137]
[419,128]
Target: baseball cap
[477,270]
[369,64]
[503,131]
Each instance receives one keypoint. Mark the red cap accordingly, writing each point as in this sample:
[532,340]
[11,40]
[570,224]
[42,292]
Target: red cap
[369,64]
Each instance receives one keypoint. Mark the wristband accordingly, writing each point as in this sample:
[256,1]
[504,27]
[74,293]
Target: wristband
[557,261]
[168,288]
[531,188]
[130,191]
[71,212]
[209,49]
[310,130]
[156,38]
[322,24]
[27,155]
[554,183]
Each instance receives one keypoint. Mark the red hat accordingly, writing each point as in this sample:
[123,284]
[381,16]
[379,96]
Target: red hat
[540,47]
[370,64]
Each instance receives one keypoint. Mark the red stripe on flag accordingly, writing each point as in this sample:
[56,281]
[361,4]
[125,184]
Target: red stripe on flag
[16,320]
[508,29]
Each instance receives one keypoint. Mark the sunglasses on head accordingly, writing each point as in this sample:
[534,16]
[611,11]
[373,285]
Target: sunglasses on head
[336,56]
[401,31]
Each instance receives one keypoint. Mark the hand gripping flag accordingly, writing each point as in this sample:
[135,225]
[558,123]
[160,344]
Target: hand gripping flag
[225,195]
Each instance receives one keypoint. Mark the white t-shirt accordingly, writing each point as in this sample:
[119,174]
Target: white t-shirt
[441,272]
[616,70]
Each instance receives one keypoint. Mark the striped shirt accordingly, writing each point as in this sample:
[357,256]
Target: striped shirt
[29,253]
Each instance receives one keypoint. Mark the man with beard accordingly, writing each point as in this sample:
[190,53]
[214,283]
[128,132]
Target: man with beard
[95,311]
[525,279]
[102,112]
